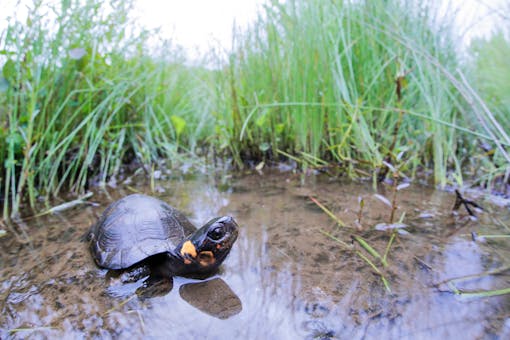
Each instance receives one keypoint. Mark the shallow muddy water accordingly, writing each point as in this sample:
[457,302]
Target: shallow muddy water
[285,278]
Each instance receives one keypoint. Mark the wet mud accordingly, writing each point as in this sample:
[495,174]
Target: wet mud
[293,272]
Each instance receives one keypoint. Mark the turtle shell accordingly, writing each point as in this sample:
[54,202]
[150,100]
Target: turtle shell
[134,228]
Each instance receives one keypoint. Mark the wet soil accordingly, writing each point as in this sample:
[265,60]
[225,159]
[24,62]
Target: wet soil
[293,272]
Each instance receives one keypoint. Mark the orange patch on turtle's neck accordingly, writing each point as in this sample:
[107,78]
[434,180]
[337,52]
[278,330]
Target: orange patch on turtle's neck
[188,249]
[206,258]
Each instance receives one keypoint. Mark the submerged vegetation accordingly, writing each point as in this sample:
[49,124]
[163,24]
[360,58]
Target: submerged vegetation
[354,85]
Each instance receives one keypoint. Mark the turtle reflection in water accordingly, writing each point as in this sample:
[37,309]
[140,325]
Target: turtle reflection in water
[142,236]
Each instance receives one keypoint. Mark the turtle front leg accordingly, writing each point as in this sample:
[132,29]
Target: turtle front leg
[155,286]
[160,281]
[134,274]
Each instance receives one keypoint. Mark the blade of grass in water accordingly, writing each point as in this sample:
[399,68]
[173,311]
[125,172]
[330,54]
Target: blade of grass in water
[388,246]
[362,242]
[370,249]
[476,294]
[328,212]
[364,258]
[358,239]
[66,205]
[484,293]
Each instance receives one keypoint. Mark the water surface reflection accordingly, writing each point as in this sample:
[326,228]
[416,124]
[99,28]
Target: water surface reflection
[284,278]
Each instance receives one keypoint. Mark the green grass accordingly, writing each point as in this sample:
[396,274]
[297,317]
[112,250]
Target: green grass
[310,80]
[490,75]
[319,77]
[84,97]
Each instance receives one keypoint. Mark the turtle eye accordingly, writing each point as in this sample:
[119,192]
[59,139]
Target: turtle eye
[216,234]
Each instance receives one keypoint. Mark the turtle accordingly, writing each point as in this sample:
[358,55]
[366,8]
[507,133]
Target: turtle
[143,235]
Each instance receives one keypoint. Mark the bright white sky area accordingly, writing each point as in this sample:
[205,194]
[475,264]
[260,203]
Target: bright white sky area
[199,24]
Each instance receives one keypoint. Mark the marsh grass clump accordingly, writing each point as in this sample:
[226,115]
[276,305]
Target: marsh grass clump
[83,93]
[333,79]
[490,73]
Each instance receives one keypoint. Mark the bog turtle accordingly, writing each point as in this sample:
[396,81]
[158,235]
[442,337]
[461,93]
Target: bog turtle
[138,228]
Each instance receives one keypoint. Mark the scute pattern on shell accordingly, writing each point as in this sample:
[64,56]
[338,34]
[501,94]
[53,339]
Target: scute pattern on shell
[135,228]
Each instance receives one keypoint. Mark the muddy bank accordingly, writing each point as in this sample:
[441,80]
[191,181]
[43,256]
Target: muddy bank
[286,277]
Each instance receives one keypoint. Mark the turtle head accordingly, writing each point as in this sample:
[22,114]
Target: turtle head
[205,249]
